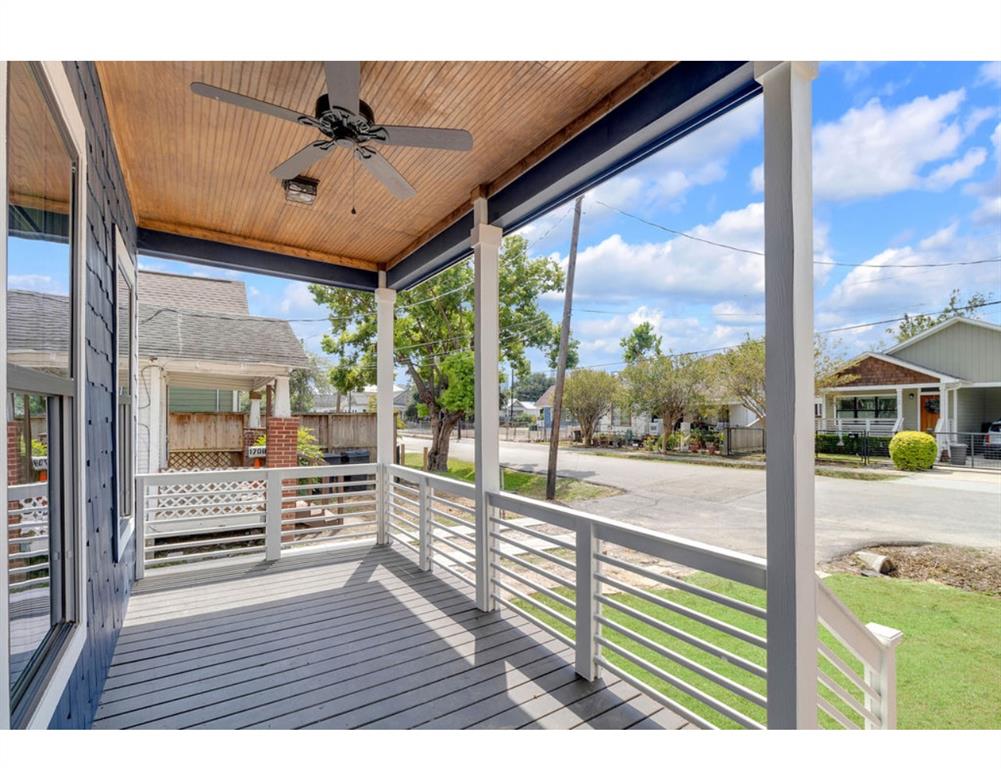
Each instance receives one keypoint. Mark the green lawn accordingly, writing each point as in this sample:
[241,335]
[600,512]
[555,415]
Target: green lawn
[948,666]
[525,483]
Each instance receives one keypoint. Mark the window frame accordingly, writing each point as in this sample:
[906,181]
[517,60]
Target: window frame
[124,487]
[64,646]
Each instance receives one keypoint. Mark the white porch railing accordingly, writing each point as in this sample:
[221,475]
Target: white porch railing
[187,517]
[28,536]
[624,599]
[871,426]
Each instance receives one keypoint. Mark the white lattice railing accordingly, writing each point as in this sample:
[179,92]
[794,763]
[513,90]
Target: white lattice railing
[28,536]
[186,517]
[682,621]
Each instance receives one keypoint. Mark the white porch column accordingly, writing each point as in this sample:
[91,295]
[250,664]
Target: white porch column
[943,427]
[486,240]
[151,418]
[282,406]
[789,380]
[254,421]
[385,300]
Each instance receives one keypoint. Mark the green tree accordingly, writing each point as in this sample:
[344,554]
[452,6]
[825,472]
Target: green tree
[666,386]
[642,342]
[573,350]
[912,325]
[533,386]
[434,323]
[588,395]
[305,383]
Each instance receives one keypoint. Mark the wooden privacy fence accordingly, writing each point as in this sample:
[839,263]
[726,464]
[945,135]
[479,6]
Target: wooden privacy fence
[204,440]
[334,431]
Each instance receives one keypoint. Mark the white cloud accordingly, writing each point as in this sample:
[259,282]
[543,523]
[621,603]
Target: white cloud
[989,73]
[989,211]
[873,150]
[946,175]
[39,283]
[758,178]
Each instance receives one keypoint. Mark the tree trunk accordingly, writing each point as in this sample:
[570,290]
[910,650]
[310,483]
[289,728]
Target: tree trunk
[441,432]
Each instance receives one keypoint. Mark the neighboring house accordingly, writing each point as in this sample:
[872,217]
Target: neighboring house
[945,380]
[513,409]
[362,401]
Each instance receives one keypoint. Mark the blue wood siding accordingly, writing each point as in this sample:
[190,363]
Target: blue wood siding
[108,583]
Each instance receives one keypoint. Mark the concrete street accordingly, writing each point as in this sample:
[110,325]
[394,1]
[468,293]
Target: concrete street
[726,506]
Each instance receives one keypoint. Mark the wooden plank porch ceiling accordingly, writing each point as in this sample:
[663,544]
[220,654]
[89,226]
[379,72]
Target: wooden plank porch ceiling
[200,168]
[357,638]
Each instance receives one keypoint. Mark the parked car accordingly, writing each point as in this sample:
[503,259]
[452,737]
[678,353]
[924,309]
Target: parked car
[992,441]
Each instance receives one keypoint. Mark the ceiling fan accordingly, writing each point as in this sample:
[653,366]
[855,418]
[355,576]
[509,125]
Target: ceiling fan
[346,121]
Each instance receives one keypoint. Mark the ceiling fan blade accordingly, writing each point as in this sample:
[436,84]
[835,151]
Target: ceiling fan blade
[430,138]
[384,172]
[343,83]
[239,100]
[301,160]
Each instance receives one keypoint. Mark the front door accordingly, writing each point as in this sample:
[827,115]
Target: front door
[929,412]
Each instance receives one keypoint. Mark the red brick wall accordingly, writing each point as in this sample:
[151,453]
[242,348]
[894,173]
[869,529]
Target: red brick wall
[15,461]
[283,437]
[873,371]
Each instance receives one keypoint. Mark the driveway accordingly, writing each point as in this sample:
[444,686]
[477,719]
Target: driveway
[725,506]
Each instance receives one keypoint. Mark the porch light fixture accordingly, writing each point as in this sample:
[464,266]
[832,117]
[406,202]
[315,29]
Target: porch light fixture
[301,189]
[910,395]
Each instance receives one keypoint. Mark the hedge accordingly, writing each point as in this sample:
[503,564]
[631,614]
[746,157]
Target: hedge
[913,451]
[851,444]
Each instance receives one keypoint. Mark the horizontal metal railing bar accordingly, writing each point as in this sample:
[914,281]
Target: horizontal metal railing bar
[27,555]
[191,492]
[556,560]
[530,532]
[399,519]
[24,491]
[412,514]
[454,504]
[20,586]
[535,620]
[702,618]
[737,566]
[671,581]
[455,487]
[854,704]
[330,527]
[848,672]
[336,483]
[28,569]
[653,693]
[538,605]
[338,515]
[401,531]
[204,543]
[471,553]
[452,532]
[404,499]
[200,531]
[835,713]
[452,572]
[721,680]
[710,701]
[534,568]
[292,494]
[28,524]
[687,637]
[541,589]
[457,520]
[452,558]
[151,521]
[408,545]
[330,506]
[358,536]
[204,555]
[28,539]
[395,486]
[162,479]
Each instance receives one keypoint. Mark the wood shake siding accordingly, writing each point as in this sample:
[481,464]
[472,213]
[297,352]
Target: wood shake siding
[108,583]
[875,372]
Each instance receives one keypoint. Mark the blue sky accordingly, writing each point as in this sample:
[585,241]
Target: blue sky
[907,170]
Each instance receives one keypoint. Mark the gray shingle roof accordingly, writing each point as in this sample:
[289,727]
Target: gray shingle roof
[40,322]
[198,294]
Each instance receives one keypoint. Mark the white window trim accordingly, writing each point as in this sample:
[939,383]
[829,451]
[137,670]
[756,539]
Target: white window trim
[124,262]
[69,654]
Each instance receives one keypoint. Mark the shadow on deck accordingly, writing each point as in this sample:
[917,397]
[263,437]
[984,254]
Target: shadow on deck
[353,638]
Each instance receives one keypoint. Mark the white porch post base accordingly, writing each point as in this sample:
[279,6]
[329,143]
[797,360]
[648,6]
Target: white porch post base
[385,300]
[486,240]
[789,380]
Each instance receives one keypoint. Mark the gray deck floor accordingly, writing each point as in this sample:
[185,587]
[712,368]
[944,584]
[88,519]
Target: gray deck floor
[357,638]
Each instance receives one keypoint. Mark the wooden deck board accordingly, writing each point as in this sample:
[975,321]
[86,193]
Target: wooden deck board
[351,638]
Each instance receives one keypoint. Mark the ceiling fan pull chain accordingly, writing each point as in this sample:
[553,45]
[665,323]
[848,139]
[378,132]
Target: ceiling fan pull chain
[354,168]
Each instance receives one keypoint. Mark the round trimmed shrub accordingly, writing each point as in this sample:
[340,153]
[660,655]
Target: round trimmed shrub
[913,451]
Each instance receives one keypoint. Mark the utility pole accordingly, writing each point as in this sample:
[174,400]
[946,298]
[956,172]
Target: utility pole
[561,364]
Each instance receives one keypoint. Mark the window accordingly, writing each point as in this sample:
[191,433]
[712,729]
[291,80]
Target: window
[40,401]
[125,367]
[867,408]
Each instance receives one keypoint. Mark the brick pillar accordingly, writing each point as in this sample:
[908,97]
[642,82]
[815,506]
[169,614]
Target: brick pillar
[283,439]
[15,460]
